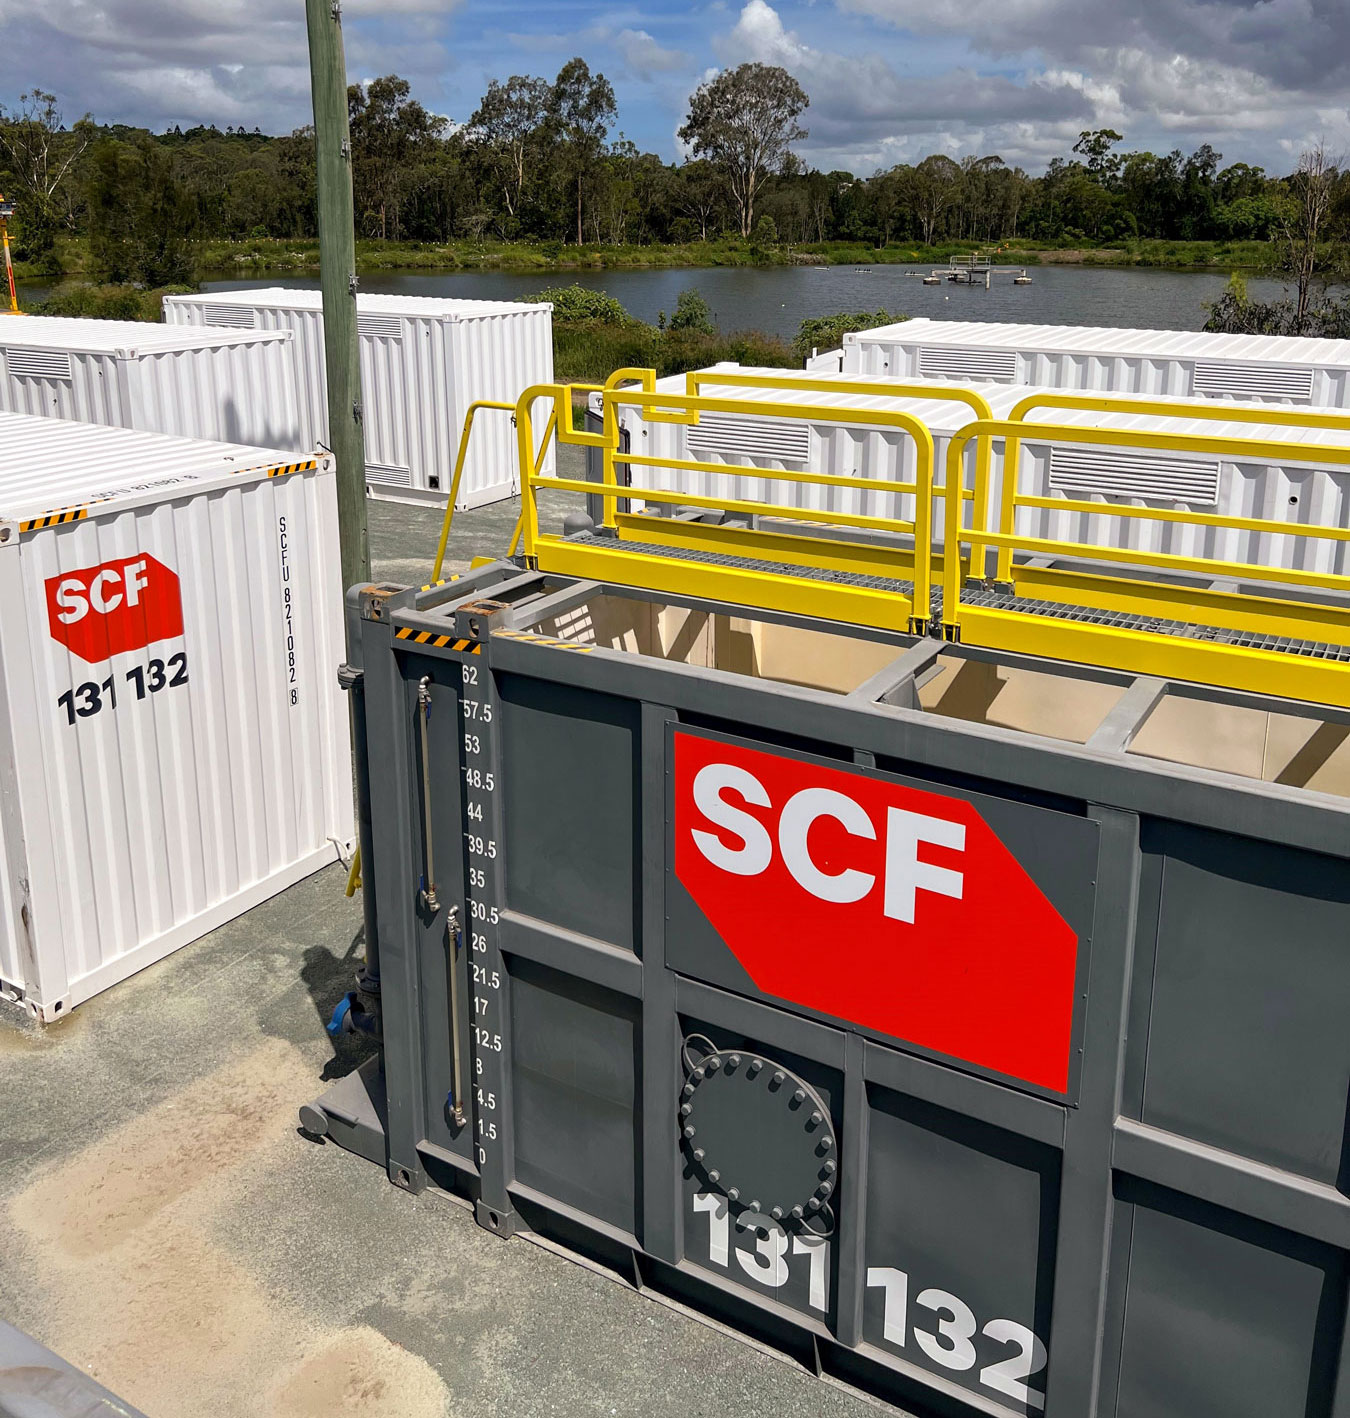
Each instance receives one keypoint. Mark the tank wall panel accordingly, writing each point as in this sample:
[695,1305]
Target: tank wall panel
[1245,1051]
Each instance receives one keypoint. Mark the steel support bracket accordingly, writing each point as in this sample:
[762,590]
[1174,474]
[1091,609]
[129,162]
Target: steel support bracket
[501,1223]
[477,619]
[374,600]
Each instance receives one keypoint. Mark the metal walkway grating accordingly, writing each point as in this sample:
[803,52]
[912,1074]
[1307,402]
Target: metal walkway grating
[1152,625]
[748,563]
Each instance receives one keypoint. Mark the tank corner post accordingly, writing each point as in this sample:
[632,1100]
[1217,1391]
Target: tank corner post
[485,899]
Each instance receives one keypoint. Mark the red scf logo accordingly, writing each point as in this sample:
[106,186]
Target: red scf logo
[892,907]
[104,610]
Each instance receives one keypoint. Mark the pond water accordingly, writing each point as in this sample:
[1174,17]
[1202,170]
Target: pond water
[776,299]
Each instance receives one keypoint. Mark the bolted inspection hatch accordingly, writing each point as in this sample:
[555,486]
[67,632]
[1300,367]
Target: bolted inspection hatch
[760,1134]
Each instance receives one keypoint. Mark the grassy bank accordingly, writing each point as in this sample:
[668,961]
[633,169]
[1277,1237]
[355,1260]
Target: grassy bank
[588,351]
[258,257]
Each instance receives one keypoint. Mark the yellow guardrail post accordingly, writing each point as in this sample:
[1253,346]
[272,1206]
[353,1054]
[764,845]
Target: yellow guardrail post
[951,536]
[561,423]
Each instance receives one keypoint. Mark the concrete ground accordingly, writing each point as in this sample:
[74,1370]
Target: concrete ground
[165,1226]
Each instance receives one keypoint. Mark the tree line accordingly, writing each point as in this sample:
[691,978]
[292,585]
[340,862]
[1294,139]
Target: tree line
[540,160]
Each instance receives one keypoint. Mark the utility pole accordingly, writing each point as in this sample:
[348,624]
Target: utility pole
[342,363]
[337,276]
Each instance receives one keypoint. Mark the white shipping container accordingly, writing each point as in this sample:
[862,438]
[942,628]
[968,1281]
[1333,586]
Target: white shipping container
[424,360]
[235,386]
[1173,363]
[173,740]
[1295,488]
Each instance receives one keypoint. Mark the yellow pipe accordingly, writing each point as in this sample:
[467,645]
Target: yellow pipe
[738,470]
[459,473]
[735,504]
[1122,404]
[881,388]
[1229,448]
[1196,519]
[515,536]
[884,418]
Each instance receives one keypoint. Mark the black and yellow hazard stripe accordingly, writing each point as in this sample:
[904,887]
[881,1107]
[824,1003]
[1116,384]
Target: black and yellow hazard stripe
[444,581]
[548,640]
[438,642]
[285,469]
[54,519]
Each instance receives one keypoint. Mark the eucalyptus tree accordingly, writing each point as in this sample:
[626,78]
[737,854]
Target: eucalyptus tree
[744,121]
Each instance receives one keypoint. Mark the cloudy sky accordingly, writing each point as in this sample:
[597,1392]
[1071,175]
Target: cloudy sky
[889,80]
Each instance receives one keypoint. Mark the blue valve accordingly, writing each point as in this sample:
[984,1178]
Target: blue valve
[338,1023]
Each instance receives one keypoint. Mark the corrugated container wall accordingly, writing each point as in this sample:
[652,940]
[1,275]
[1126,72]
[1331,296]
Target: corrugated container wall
[236,386]
[173,740]
[1181,363]
[423,362]
[1295,489]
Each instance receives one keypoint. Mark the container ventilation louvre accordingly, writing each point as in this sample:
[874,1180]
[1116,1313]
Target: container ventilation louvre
[1153,477]
[1252,381]
[38,364]
[379,327]
[390,474]
[237,317]
[730,436]
[998,366]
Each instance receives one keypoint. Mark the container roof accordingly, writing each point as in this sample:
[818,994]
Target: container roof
[367,303]
[1103,340]
[54,332]
[944,416]
[48,464]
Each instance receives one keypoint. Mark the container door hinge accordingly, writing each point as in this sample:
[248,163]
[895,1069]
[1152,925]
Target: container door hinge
[349,676]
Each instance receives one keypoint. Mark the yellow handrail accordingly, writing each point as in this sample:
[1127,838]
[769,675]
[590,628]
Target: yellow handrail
[678,405]
[884,388]
[459,473]
[1230,448]
[1281,416]
[536,463]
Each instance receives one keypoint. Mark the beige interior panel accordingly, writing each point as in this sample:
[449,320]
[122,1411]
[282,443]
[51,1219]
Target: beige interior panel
[1275,748]
[737,644]
[1055,706]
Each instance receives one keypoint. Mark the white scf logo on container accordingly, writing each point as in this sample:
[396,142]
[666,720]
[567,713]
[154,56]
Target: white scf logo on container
[103,593]
[904,873]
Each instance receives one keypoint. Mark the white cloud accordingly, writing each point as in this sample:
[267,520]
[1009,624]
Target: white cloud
[1263,76]
[160,62]
[1195,80]
[645,57]
[864,114]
